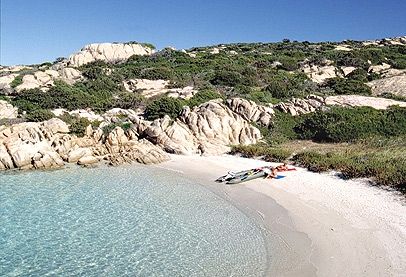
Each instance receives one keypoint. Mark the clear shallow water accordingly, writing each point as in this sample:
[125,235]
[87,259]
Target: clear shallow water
[129,220]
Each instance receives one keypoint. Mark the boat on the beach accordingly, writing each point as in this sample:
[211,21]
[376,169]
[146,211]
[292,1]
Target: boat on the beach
[242,176]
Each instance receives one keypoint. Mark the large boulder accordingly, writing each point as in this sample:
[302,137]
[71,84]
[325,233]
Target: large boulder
[394,84]
[5,84]
[298,106]
[359,101]
[150,88]
[108,52]
[7,110]
[250,111]
[216,127]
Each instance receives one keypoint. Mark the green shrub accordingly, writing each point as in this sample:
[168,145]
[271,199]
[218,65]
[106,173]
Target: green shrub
[18,80]
[261,150]
[226,78]
[39,115]
[164,106]
[359,74]
[110,127]
[348,86]
[203,96]
[282,127]
[262,97]
[341,124]
[157,73]
[77,124]
[386,167]
[128,100]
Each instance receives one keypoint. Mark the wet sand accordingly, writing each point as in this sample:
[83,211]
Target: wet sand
[318,224]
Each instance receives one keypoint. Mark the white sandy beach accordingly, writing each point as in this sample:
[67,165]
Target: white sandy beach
[333,227]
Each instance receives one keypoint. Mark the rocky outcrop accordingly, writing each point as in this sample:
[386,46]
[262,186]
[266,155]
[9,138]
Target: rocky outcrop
[41,79]
[250,111]
[82,113]
[5,84]
[297,106]
[108,52]
[29,145]
[69,75]
[320,73]
[394,84]
[216,127]
[312,103]
[208,129]
[347,69]
[386,41]
[48,145]
[37,80]
[379,68]
[7,110]
[359,101]
[151,88]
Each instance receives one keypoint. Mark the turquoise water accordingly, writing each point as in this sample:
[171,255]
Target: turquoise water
[130,220]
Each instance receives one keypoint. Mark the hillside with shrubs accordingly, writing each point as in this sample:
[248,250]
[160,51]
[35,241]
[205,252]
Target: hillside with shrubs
[266,74]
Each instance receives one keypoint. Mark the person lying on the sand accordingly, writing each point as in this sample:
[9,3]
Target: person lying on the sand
[270,171]
[284,167]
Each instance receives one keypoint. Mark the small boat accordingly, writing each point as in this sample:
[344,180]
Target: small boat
[250,175]
[242,176]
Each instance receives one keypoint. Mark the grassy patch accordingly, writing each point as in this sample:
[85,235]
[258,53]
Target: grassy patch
[262,150]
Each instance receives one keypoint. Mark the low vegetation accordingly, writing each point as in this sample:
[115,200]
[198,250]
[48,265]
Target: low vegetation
[261,72]
[358,142]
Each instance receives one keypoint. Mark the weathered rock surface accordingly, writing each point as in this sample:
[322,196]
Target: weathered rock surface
[395,85]
[358,101]
[88,114]
[208,129]
[378,68]
[108,52]
[319,74]
[38,79]
[47,145]
[216,127]
[151,88]
[29,145]
[7,110]
[250,111]
[5,83]
[70,75]
[312,103]
[297,106]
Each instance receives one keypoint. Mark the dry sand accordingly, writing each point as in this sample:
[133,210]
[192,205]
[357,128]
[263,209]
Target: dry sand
[321,225]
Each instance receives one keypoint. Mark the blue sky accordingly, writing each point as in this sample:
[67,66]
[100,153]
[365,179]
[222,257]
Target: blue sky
[34,31]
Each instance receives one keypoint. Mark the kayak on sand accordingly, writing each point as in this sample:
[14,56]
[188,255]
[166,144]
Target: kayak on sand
[251,174]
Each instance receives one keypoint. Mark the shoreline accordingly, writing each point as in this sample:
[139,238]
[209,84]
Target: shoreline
[329,226]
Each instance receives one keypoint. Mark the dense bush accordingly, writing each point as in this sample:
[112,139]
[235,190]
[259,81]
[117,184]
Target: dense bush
[86,95]
[110,127]
[128,100]
[39,115]
[282,128]
[286,85]
[18,80]
[346,86]
[77,125]
[341,124]
[388,168]
[226,78]
[203,96]
[164,106]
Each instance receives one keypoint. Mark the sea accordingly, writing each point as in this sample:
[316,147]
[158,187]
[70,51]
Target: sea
[131,220]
